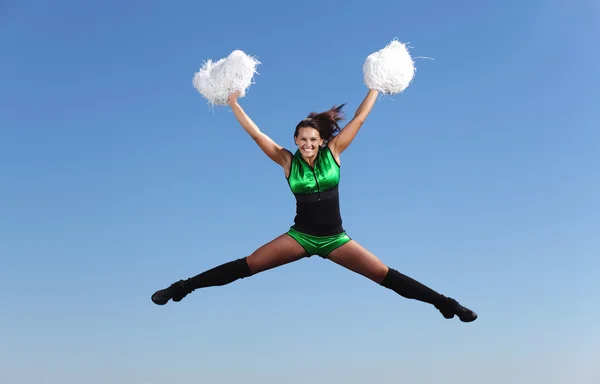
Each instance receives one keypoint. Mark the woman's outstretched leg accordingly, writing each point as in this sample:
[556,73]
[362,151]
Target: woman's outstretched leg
[357,259]
[282,250]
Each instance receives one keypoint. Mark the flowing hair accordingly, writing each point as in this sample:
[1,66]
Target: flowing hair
[324,122]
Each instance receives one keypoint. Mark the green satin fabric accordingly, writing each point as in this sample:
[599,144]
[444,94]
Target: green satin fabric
[319,245]
[325,175]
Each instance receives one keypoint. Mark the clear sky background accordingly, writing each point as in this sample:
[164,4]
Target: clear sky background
[116,178]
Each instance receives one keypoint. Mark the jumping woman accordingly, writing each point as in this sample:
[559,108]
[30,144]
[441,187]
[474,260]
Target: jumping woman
[313,174]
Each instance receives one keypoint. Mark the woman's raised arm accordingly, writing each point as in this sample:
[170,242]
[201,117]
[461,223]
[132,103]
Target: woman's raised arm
[343,139]
[275,151]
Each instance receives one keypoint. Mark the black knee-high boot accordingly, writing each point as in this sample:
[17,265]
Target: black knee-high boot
[412,289]
[217,276]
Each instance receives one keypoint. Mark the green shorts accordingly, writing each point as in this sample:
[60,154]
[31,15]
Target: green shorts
[319,245]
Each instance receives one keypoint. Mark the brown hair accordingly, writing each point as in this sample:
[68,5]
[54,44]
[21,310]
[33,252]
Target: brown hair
[324,122]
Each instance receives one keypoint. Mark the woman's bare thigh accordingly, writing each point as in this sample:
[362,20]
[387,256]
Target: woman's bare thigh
[279,251]
[356,258]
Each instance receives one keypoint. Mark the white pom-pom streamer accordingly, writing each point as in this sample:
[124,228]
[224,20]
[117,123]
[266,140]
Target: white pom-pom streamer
[216,81]
[389,70]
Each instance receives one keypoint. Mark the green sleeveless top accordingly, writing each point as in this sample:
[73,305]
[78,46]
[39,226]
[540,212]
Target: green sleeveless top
[316,192]
[305,180]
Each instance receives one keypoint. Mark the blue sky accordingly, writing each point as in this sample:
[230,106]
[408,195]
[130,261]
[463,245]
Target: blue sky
[481,180]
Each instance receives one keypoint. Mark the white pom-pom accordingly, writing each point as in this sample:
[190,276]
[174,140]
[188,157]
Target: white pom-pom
[216,81]
[389,70]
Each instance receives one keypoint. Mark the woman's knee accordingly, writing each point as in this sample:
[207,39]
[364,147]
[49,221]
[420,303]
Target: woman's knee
[255,265]
[379,273]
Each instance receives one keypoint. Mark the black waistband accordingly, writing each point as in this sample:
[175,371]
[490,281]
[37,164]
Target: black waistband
[319,213]
[316,196]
